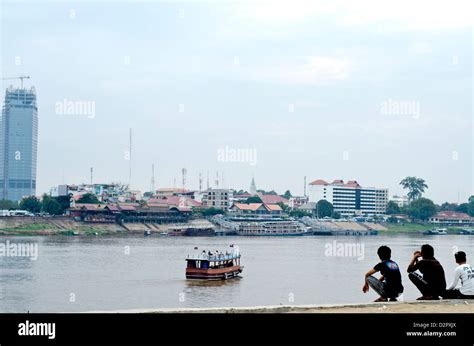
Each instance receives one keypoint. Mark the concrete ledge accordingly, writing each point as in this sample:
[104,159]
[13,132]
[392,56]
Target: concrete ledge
[442,306]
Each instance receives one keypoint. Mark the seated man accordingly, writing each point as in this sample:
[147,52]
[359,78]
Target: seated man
[389,286]
[464,273]
[432,284]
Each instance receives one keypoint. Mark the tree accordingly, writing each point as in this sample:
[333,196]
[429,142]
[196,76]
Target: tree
[287,194]
[253,199]
[462,208]
[299,213]
[392,208]
[392,219]
[51,206]
[323,208]
[64,202]
[336,215]
[88,198]
[31,203]
[421,208]
[470,206]
[263,192]
[448,206]
[6,204]
[211,211]
[416,187]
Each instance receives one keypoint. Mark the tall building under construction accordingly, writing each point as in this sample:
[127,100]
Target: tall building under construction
[18,144]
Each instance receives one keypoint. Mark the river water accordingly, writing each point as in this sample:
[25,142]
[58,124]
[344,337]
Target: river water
[74,274]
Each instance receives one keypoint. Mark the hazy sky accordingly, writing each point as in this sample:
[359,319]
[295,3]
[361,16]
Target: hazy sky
[372,91]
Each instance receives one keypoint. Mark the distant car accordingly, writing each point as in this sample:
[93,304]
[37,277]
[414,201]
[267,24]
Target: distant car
[21,213]
[43,214]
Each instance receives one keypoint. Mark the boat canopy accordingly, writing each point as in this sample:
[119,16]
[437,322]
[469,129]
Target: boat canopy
[215,258]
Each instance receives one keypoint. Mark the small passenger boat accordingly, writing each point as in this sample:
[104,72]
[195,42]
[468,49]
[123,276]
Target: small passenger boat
[214,265]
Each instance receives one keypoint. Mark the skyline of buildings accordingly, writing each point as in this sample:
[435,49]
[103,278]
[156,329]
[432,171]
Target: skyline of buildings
[18,144]
[18,162]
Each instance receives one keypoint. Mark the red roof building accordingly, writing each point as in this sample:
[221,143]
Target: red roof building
[273,199]
[451,217]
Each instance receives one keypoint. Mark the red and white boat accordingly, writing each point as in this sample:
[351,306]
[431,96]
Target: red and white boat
[214,266]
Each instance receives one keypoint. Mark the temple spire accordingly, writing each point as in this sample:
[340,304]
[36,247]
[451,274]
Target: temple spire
[253,187]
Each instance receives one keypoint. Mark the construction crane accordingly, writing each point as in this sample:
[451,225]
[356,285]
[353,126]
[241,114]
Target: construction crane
[19,77]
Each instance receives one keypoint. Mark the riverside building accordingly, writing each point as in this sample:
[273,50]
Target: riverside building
[350,198]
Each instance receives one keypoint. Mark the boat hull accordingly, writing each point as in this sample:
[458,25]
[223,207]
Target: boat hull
[213,274]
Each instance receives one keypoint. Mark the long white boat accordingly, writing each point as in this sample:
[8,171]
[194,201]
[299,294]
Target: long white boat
[272,228]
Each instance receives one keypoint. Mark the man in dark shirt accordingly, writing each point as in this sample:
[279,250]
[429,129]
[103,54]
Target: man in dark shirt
[389,286]
[433,283]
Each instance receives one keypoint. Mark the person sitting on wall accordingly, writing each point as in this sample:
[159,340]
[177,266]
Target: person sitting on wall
[389,286]
[464,273]
[433,283]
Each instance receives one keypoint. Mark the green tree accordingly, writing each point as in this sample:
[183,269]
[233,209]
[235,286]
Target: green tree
[263,192]
[297,213]
[416,187]
[6,204]
[421,208]
[211,211]
[323,209]
[392,219]
[64,202]
[462,208]
[392,208]
[253,199]
[336,215]
[31,203]
[448,206]
[287,194]
[470,206]
[51,206]
[88,198]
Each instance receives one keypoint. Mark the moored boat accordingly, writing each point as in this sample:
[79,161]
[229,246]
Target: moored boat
[214,266]
[272,228]
[438,231]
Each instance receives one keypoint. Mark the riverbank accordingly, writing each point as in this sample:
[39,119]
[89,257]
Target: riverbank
[66,226]
[33,226]
[416,228]
[444,306]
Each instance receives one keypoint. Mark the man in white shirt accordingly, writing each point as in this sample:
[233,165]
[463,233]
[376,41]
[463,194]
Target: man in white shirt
[464,273]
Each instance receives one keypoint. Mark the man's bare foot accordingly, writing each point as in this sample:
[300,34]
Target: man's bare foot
[380,299]
[425,298]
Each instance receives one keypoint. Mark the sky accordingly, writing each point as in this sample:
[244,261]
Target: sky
[369,91]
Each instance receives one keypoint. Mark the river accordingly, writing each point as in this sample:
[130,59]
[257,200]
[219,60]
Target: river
[73,274]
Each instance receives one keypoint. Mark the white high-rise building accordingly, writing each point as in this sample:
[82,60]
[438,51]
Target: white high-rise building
[350,198]
[18,144]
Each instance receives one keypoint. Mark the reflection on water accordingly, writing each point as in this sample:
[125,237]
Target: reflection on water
[113,273]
